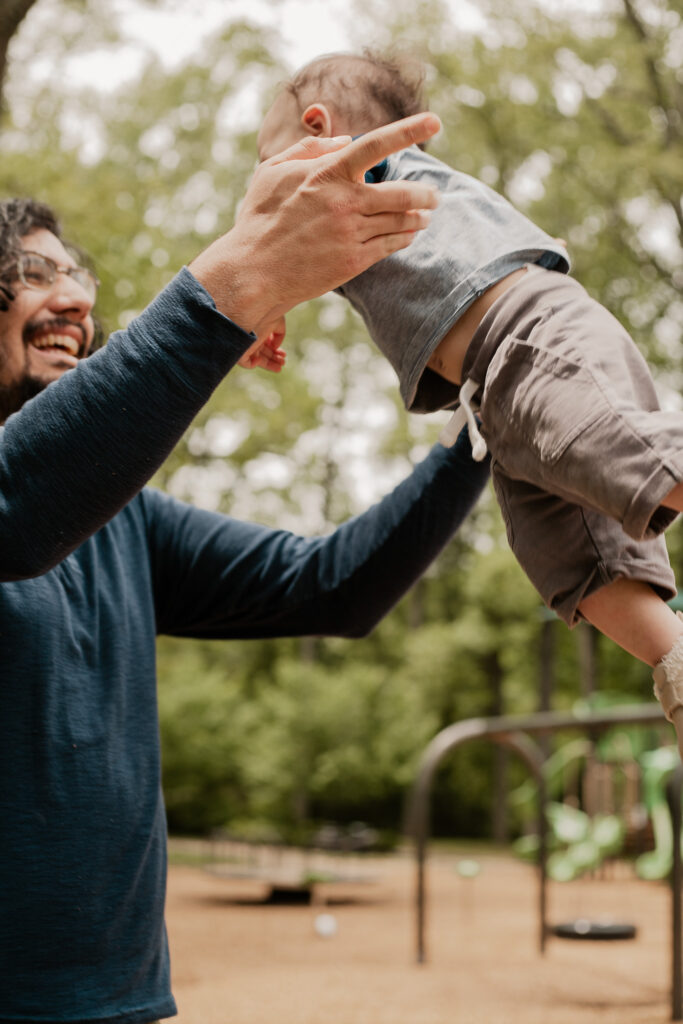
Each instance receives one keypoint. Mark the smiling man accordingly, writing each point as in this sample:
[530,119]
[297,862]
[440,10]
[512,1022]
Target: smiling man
[47,300]
[93,564]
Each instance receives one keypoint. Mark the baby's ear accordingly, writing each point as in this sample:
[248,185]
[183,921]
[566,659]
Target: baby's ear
[317,120]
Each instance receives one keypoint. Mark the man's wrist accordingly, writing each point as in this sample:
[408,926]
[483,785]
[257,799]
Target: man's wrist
[236,288]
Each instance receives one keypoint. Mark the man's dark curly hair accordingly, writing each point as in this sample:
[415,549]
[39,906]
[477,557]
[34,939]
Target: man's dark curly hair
[18,218]
[372,88]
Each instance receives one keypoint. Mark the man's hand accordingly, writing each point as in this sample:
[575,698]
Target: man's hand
[308,223]
[266,352]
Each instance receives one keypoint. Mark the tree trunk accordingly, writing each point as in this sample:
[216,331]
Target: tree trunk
[587,639]
[499,832]
[546,676]
[12,13]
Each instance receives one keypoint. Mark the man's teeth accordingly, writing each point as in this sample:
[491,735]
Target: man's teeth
[64,341]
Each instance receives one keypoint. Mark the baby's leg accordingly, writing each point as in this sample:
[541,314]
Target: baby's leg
[630,613]
[674,498]
[566,550]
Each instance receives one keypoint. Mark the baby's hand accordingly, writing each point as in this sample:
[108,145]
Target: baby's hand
[266,351]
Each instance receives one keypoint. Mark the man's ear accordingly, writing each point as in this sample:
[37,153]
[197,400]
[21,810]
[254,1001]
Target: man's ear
[317,120]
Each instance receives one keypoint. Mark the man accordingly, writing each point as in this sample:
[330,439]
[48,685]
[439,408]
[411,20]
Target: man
[93,565]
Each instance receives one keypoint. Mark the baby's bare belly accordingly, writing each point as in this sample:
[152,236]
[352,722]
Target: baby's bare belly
[448,357]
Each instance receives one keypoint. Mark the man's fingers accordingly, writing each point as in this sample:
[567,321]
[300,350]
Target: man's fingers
[398,196]
[383,245]
[394,223]
[311,147]
[371,148]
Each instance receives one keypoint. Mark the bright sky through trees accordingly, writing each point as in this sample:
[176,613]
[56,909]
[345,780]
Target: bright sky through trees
[175,32]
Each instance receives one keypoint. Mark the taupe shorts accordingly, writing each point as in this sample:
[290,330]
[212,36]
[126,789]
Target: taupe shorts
[582,455]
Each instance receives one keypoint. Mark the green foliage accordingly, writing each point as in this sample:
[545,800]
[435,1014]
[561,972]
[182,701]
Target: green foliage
[204,722]
[334,740]
[298,741]
[578,120]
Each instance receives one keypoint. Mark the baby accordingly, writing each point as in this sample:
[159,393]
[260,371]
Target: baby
[479,312]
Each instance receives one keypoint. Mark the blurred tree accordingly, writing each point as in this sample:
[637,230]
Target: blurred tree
[578,121]
[328,743]
[12,14]
[204,729]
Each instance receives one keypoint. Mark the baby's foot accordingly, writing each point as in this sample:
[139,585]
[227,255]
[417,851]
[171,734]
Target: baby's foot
[668,679]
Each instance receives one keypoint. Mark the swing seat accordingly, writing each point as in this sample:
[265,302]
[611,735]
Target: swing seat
[601,931]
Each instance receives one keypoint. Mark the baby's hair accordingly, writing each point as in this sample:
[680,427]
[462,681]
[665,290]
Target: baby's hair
[372,88]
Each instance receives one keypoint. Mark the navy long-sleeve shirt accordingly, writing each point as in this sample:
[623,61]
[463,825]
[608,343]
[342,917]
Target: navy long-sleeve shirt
[92,567]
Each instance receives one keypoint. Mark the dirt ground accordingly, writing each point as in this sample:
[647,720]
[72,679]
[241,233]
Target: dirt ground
[237,960]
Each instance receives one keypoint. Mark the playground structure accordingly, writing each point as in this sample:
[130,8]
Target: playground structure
[606,797]
[516,732]
[291,874]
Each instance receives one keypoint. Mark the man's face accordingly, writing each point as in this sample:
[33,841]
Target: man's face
[44,333]
[281,127]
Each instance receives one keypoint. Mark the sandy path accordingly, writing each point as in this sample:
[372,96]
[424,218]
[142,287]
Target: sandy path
[237,961]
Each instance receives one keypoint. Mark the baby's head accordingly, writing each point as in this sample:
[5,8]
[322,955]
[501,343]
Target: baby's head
[341,94]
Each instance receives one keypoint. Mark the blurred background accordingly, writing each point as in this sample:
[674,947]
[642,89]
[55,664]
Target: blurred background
[137,121]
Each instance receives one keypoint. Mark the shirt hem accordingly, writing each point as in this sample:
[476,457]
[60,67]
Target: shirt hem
[461,298]
[145,1015]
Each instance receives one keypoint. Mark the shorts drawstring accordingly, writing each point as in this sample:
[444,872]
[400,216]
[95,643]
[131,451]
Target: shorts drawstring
[463,414]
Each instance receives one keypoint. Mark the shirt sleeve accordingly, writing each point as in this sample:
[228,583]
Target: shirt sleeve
[216,577]
[74,455]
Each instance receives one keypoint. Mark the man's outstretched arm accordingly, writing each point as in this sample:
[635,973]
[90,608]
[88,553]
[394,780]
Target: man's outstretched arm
[74,455]
[221,578]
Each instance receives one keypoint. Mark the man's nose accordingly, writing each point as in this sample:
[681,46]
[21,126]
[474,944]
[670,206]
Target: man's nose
[67,294]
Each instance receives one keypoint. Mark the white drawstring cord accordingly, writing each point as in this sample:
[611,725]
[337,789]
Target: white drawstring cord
[463,414]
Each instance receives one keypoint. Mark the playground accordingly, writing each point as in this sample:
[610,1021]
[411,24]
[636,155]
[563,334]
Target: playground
[262,934]
[238,959]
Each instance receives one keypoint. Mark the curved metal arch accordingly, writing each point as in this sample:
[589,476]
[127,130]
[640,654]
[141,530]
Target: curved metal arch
[515,732]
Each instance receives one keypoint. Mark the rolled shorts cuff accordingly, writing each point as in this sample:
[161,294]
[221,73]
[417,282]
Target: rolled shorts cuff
[655,574]
[646,517]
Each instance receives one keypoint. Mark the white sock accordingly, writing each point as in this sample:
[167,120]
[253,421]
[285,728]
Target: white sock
[668,678]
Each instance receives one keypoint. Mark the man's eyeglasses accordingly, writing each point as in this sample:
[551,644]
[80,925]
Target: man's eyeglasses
[40,272]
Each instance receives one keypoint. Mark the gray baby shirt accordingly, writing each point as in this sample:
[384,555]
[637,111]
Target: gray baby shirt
[411,299]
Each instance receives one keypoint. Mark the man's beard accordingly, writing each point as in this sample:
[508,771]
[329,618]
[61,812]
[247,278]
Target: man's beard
[13,397]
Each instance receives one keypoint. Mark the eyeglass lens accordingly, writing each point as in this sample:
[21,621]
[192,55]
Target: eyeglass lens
[40,272]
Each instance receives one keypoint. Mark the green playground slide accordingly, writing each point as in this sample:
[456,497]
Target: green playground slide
[561,769]
[567,825]
[657,765]
[577,842]
[601,836]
